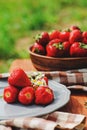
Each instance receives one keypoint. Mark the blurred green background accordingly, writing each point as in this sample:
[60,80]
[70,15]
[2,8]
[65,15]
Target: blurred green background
[21,20]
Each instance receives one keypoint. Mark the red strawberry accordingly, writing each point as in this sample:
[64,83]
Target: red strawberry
[54,48]
[74,27]
[42,38]
[37,48]
[10,94]
[26,95]
[64,36]
[75,36]
[54,35]
[44,95]
[46,79]
[78,49]
[66,47]
[19,78]
[84,37]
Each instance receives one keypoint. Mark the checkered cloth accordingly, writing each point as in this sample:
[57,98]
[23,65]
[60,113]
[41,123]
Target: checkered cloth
[4,75]
[54,121]
[71,77]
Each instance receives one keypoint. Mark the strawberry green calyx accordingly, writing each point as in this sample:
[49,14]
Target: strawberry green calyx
[58,45]
[38,36]
[83,45]
[37,50]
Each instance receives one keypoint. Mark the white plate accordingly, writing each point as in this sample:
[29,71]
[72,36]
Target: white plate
[61,97]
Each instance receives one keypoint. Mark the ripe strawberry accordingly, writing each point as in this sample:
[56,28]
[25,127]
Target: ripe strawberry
[44,95]
[37,48]
[78,49]
[75,36]
[74,27]
[10,94]
[19,78]
[54,35]
[54,48]
[45,79]
[66,47]
[42,38]
[26,95]
[64,36]
[84,37]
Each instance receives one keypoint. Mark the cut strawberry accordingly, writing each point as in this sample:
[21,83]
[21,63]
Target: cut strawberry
[44,95]
[26,95]
[19,78]
[10,94]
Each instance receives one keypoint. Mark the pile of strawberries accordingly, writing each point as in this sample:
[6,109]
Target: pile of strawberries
[22,90]
[69,43]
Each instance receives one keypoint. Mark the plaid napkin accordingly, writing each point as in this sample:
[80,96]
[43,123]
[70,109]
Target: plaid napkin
[73,79]
[54,121]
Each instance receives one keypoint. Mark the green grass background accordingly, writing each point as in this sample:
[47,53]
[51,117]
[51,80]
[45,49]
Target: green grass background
[23,19]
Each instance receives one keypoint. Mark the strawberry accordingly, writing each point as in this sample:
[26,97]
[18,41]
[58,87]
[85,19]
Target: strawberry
[10,94]
[73,27]
[26,95]
[54,35]
[54,48]
[42,38]
[78,49]
[75,36]
[44,95]
[45,79]
[37,48]
[19,78]
[84,37]
[64,36]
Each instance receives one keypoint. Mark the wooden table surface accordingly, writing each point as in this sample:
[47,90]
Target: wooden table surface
[77,100]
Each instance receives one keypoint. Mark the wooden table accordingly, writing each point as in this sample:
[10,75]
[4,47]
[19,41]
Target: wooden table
[77,99]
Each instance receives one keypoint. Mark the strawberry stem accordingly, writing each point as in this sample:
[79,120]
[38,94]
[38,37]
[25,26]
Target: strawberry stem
[38,36]
[58,45]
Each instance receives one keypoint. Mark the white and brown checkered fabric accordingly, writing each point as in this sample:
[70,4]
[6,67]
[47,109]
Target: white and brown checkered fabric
[54,121]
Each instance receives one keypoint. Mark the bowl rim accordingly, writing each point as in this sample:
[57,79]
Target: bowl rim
[54,58]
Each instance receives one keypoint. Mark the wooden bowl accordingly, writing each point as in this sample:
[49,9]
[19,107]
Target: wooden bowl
[45,63]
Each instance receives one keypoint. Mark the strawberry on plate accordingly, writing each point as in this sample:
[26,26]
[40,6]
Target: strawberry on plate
[44,95]
[38,79]
[26,95]
[10,94]
[19,78]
